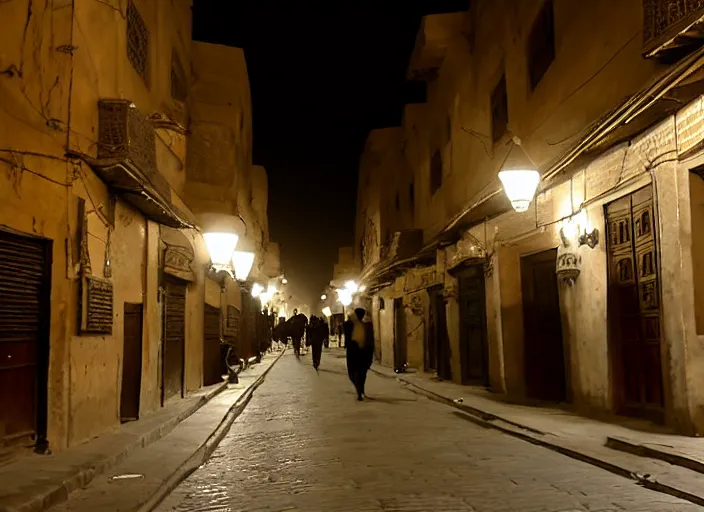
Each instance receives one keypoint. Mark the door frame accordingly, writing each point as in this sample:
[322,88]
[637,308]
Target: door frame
[566,388]
[457,272]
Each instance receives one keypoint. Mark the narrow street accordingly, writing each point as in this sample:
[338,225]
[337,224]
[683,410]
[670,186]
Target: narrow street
[305,444]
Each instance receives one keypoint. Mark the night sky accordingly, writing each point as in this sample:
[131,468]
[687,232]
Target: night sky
[322,74]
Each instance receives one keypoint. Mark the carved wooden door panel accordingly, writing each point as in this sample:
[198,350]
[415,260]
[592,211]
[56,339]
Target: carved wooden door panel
[131,363]
[213,361]
[634,304]
[174,334]
[400,341]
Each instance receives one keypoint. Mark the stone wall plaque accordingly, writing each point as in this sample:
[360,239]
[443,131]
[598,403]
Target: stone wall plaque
[232,321]
[177,262]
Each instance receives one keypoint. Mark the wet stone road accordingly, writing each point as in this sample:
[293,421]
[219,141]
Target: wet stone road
[305,444]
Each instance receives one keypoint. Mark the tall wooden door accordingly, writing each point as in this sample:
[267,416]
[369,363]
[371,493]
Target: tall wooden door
[474,351]
[544,354]
[25,288]
[212,361]
[399,335]
[174,338]
[131,363]
[634,305]
[438,348]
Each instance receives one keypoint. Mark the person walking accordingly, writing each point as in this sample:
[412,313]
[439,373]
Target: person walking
[315,340]
[298,324]
[359,342]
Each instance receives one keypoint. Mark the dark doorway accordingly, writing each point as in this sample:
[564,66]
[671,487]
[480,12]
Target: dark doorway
[474,352]
[437,355]
[131,363]
[634,305]
[212,361]
[399,335]
[25,290]
[174,338]
[544,354]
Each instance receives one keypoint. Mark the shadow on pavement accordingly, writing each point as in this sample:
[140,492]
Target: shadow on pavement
[391,401]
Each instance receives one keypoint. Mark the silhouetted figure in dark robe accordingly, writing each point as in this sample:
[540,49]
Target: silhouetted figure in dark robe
[359,342]
[326,333]
[317,338]
[297,323]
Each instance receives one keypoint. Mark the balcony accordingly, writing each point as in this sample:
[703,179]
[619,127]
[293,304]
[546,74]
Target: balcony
[672,28]
[433,39]
[127,162]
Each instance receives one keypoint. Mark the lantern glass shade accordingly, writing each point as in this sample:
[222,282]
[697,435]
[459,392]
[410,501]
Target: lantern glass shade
[220,247]
[327,312]
[520,186]
[242,261]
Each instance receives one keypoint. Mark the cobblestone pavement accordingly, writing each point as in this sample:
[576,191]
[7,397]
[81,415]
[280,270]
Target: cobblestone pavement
[305,444]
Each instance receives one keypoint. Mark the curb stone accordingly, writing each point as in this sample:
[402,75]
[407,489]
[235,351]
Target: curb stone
[203,453]
[533,436]
[84,476]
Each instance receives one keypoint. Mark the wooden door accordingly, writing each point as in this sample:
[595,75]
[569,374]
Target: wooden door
[174,338]
[634,305]
[438,352]
[474,352]
[212,361]
[399,335]
[25,288]
[131,363]
[544,354]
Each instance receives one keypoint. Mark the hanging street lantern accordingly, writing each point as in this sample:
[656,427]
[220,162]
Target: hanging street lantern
[257,290]
[352,287]
[242,261]
[327,312]
[519,177]
[220,247]
[344,296]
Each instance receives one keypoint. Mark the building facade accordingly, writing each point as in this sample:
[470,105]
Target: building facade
[109,309]
[591,295]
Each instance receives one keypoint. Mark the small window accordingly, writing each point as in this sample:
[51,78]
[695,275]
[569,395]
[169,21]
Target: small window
[179,87]
[541,44]
[411,197]
[398,202]
[499,110]
[137,42]
[435,172]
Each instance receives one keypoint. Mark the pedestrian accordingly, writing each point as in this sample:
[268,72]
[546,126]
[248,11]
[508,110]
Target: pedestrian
[359,342]
[297,324]
[317,337]
[325,333]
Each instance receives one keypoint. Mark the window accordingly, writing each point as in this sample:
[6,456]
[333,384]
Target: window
[541,44]
[412,197]
[499,110]
[137,42]
[398,202]
[435,172]
[179,86]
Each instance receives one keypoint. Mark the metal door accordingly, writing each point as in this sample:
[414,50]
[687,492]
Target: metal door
[399,335]
[544,354]
[474,353]
[174,338]
[634,304]
[212,361]
[131,363]
[25,286]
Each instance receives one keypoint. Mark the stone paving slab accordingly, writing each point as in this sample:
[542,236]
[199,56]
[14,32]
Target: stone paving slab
[584,439]
[305,444]
[37,482]
[160,466]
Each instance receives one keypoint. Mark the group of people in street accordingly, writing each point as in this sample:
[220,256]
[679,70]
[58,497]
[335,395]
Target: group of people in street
[359,342]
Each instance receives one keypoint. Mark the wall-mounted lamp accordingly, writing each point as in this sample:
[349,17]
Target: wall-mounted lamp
[344,296]
[284,281]
[352,287]
[221,247]
[327,312]
[257,290]
[323,297]
[589,238]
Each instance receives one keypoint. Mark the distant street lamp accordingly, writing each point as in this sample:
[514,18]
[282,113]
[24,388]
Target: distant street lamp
[242,261]
[220,248]
[284,281]
[323,297]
